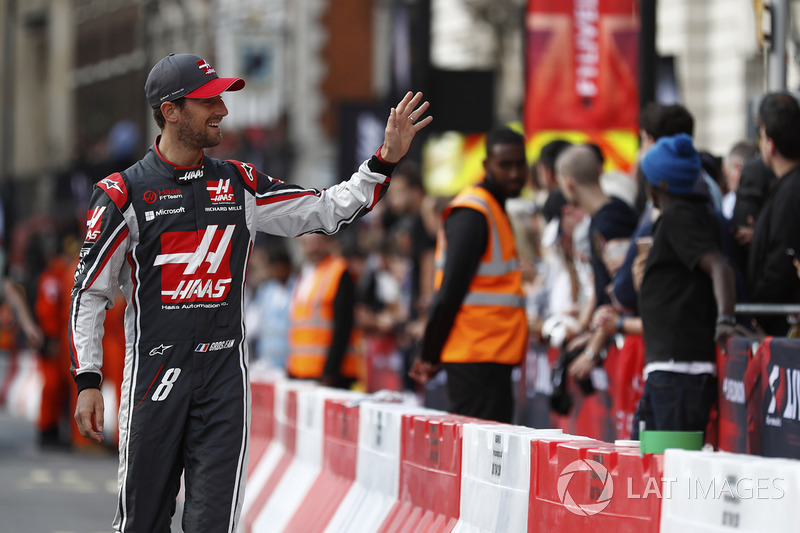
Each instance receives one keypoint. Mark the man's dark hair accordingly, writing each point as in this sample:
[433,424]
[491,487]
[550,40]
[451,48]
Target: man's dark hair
[503,135]
[779,113]
[159,117]
[409,171]
[659,120]
[551,151]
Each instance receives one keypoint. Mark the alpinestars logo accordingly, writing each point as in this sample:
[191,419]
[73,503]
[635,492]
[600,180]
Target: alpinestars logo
[93,223]
[220,191]
[194,272]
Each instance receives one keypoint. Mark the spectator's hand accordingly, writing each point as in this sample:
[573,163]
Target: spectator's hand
[604,315]
[744,234]
[581,367]
[89,414]
[404,122]
[579,341]
[726,331]
[422,371]
[796,263]
[33,334]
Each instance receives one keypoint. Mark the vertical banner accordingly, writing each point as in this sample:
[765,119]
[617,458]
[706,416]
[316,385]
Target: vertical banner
[582,75]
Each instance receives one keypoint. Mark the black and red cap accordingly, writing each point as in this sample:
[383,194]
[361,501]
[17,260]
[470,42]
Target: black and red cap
[185,75]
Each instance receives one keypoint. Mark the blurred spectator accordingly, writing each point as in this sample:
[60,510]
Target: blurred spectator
[477,326]
[546,174]
[405,199]
[771,273]
[52,312]
[687,295]
[324,344]
[739,155]
[612,220]
[755,184]
[268,313]
[659,120]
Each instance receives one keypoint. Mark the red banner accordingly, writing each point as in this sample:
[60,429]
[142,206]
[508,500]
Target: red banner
[581,72]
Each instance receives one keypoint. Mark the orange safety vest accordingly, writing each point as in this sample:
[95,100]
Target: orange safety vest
[491,326]
[311,326]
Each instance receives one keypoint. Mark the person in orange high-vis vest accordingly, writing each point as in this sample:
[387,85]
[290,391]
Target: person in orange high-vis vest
[477,325]
[324,343]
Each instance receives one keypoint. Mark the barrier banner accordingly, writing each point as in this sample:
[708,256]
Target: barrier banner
[780,372]
[627,384]
[582,73]
[384,363]
[731,368]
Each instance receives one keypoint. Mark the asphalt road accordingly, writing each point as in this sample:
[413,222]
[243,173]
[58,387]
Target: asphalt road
[53,491]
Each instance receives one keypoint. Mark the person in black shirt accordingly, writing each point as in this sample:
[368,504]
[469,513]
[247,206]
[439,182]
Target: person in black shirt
[771,275]
[687,295]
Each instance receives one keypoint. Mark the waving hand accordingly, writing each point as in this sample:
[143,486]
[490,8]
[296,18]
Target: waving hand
[404,122]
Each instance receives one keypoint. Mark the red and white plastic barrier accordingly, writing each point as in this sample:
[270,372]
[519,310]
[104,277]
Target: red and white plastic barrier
[495,477]
[342,462]
[718,491]
[376,487]
[306,462]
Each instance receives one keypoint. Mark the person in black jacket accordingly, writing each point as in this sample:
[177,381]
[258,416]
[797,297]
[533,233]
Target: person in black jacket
[687,295]
[771,274]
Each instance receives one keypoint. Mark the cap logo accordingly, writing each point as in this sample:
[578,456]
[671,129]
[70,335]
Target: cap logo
[205,67]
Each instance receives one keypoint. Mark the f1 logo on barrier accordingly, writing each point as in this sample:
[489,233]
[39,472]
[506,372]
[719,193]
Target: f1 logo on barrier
[600,501]
[201,274]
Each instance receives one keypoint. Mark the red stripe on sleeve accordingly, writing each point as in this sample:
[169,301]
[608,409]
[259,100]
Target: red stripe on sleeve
[281,198]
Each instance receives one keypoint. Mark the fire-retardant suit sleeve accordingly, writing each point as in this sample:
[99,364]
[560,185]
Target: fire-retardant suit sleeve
[291,210]
[96,280]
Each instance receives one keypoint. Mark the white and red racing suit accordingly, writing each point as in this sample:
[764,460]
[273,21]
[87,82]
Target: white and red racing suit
[177,241]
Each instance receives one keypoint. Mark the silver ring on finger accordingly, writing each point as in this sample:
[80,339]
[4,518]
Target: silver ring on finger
[410,118]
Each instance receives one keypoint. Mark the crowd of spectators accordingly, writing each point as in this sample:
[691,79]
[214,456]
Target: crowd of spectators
[583,233]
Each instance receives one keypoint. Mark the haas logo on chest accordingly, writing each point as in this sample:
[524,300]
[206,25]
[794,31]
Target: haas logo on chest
[195,272]
[220,191]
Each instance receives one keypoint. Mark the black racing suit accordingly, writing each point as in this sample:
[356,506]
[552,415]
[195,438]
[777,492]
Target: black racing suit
[177,241]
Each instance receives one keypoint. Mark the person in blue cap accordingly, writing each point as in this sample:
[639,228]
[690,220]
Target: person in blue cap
[687,295]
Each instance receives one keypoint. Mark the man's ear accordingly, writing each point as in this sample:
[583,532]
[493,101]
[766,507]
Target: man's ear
[170,111]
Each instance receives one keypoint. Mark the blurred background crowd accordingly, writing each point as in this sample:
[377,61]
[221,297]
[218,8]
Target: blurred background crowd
[73,112]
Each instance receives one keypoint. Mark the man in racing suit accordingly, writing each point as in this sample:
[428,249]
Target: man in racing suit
[175,232]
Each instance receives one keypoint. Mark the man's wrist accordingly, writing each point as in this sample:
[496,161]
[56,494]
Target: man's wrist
[88,380]
[726,319]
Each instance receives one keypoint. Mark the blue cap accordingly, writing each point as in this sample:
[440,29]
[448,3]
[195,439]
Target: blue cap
[672,165]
